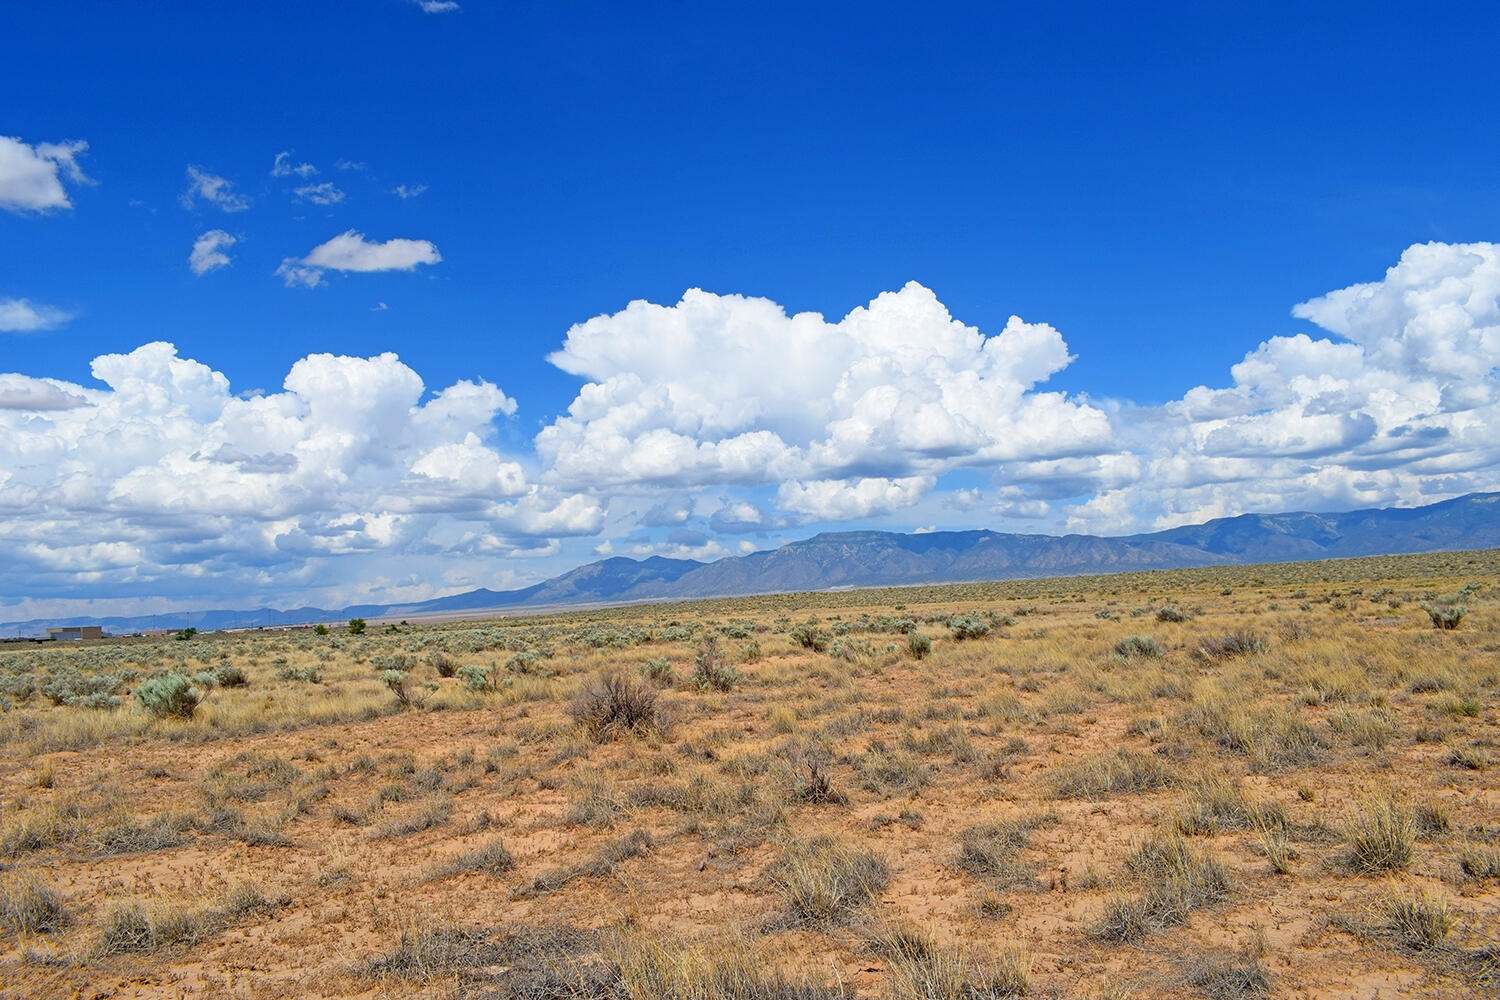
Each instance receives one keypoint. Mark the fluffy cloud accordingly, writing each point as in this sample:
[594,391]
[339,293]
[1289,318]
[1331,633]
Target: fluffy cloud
[213,189]
[25,316]
[31,178]
[844,500]
[438,6]
[701,424]
[725,389]
[20,392]
[320,194]
[165,476]
[1401,407]
[405,191]
[208,251]
[350,251]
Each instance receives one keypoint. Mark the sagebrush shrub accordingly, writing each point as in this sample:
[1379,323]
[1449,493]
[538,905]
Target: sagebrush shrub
[172,695]
[614,703]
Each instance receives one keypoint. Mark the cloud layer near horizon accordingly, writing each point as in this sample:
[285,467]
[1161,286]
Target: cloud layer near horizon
[722,415]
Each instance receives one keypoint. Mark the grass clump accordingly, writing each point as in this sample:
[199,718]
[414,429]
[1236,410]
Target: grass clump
[1480,861]
[489,858]
[1215,804]
[613,704]
[1273,737]
[1226,977]
[1231,644]
[642,966]
[824,882]
[1381,838]
[922,969]
[1111,774]
[1372,728]
[604,861]
[30,906]
[895,768]
[1471,757]
[433,814]
[136,927]
[1172,879]
[992,851]
[1418,920]
[41,827]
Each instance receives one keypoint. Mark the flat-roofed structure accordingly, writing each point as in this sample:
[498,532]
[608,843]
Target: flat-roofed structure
[70,632]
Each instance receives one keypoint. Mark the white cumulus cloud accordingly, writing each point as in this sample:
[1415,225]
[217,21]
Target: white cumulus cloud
[164,475]
[350,251]
[726,389]
[31,177]
[25,316]
[208,251]
[1400,405]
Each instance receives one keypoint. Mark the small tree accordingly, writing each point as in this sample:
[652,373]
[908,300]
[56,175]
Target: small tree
[185,634]
[320,629]
[356,626]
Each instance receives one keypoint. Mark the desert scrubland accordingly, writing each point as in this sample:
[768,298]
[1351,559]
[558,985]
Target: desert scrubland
[1268,780]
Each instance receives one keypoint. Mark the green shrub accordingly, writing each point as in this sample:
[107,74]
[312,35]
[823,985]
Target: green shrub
[918,645]
[172,695]
[1138,645]
[710,671]
[356,626]
[658,670]
[408,694]
[970,626]
[1168,613]
[809,636]
[476,677]
[228,675]
[1445,616]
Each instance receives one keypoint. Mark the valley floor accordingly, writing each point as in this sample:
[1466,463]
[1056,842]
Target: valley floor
[1259,781]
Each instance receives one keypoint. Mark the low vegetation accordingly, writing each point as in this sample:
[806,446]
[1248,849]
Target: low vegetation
[1221,782]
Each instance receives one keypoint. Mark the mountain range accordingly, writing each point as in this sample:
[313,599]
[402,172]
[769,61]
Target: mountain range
[842,559]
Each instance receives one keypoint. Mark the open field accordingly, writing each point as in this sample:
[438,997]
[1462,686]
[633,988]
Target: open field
[1257,781]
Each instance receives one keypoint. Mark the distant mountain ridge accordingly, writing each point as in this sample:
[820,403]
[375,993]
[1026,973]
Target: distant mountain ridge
[836,559]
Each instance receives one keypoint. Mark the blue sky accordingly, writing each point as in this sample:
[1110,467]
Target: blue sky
[1151,189]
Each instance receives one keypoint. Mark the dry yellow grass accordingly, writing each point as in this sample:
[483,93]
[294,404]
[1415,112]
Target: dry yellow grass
[1284,782]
